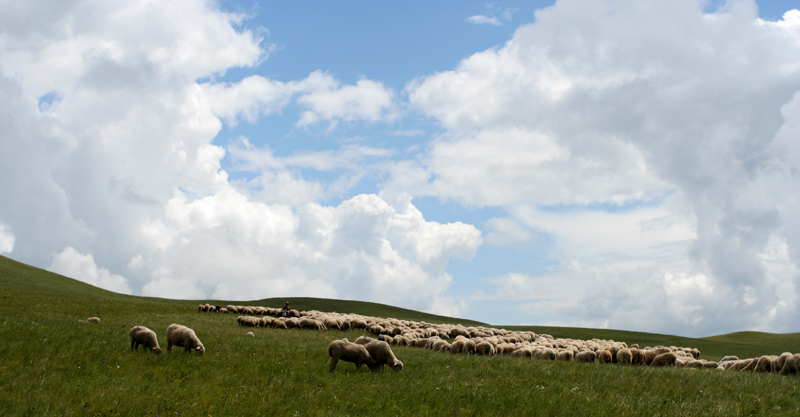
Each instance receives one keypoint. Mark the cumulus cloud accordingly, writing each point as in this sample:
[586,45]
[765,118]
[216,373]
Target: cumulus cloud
[320,95]
[110,172]
[74,264]
[604,121]
[6,239]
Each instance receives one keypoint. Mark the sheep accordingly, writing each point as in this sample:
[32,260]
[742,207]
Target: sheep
[625,356]
[141,335]
[766,363]
[314,324]
[441,345]
[546,354]
[740,365]
[250,334]
[382,353]
[248,321]
[791,365]
[182,336]
[693,364]
[565,355]
[605,356]
[485,348]
[349,352]
[782,360]
[638,357]
[93,320]
[664,359]
[586,356]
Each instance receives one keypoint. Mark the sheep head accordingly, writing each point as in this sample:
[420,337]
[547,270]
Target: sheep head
[397,365]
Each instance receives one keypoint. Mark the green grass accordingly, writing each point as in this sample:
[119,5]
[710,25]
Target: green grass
[52,364]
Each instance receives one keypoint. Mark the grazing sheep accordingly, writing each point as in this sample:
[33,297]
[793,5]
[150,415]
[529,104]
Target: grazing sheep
[546,354]
[625,357]
[313,324]
[250,334]
[182,336]
[638,357]
[141,335]
[93,320]
[665,359]
[649,355]
[349,352]
[605,356]
[740,365]
[485,348]
[766,363]
[791,365]
[782,360]
[382,353]
[693,364]
[248,321]
[565,355]
[587,356]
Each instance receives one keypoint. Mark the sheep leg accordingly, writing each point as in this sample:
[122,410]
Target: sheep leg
[333,363]
[133,345]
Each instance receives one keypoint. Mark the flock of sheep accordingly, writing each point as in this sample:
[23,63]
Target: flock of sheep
[457,339]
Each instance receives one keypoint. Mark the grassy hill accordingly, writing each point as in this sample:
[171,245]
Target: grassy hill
[53,364]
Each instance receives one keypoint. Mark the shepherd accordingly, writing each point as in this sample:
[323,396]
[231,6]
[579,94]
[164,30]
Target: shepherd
[285,311]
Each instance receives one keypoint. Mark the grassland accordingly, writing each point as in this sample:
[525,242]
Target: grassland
[53,364]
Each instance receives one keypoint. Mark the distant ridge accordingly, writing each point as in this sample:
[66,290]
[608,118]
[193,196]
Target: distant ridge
[22,276]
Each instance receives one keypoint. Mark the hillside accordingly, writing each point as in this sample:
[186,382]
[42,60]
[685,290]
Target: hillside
[16,277]
[54,363]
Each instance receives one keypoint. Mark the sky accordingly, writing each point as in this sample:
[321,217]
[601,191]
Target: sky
[585,163]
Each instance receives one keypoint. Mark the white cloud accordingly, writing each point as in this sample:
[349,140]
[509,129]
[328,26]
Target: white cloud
[6,239]
[645,134]
[506,231]
[71,263]
[485,20]
[120,162]
[327,100]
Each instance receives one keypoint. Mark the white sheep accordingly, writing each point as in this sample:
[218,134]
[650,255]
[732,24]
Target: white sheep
[791,365]
[182,336]
[349,352]
[625,356]
[382,353]
[587,356]
[485,348]
[665,359]
[250,334]
[766,363]
[141,335]
[605,356]
[93,320]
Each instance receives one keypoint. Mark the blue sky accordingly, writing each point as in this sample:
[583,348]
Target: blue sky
[581,163]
